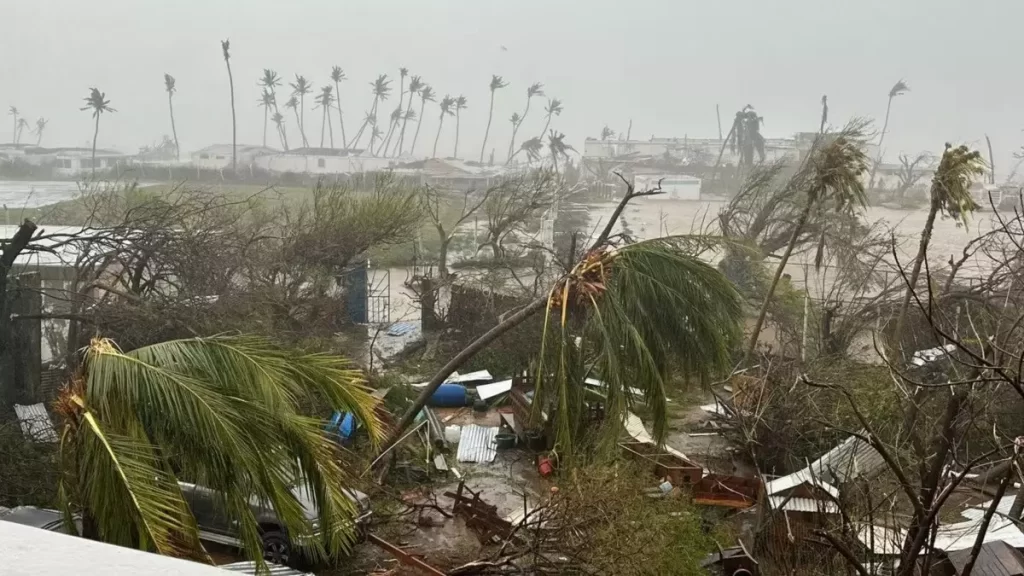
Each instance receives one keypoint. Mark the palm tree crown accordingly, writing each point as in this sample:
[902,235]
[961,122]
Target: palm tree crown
[97,102]
[301,86]
[270,79]
[169,84]
[497,82]
[223,412]
[337,74]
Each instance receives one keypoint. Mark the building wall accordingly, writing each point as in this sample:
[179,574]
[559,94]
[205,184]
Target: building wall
[323,164]
[73,165]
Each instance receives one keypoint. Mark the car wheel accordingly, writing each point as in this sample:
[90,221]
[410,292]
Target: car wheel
[277,548]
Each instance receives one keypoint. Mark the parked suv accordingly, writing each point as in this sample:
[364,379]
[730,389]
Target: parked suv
[216,526]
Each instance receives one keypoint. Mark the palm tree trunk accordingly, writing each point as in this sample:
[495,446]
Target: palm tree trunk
[174,130]
[266,113]
[387,139]
[991,162]
[490,115]
[458,130]
[515,130]
[721,151]
[234,124]
[301,118]
[14,131]
[298,120]
[915,273]
[344,139]
[95,135]
[359,134]
[323,126]
[39,137]
[401,138]
[438,137]
[775,281]
[545,130]
[412,149]
[881,138]
[330,125]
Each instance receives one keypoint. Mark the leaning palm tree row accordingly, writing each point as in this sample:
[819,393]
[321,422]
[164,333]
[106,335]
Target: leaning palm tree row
[223,412]
[535,89]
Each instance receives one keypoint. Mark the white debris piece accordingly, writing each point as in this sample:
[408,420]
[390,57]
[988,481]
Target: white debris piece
[486,391]
[477,444]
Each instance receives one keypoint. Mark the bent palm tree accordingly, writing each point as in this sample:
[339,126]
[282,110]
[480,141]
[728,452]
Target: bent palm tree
[898,89]
[607,133]
[325,100]
[535,89]
[831,176]
[636,309]
[446,110]
[224,412]
[426,95]
[496,83]
[270,81]
[225,45]
[13,111]
[532,147]
[381,88]
[396,117]
[300,88]
[460,105]
[554,108]
[22,124]
[415,85]
[294,104]
[169,86]
[557,147]
[266,101]
[337,75]
[40,126]
[98,103]
[951,196]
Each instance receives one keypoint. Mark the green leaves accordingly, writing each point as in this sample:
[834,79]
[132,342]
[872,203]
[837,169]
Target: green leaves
[951,185]
[222,412]
[644,313]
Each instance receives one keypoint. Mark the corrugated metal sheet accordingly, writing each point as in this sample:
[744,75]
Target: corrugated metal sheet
[275,569]
[850,459]
[948,537]
[476,444]
[994,559]
[803,505]
[35,422]
[795,479]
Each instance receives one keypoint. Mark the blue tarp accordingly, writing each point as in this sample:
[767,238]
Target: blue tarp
[344,423]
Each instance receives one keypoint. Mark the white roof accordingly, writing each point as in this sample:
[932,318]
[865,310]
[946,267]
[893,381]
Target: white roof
[850,459]
[922,357]
[948,537]
[803,505]
[977,511]
[29,551]
[795,479]
[635,428]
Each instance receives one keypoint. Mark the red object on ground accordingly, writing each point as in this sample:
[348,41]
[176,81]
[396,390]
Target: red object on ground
[545,466]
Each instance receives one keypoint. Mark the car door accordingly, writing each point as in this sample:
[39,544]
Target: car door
[208,510]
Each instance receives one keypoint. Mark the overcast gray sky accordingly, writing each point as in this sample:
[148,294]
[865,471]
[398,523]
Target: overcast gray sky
[663,63]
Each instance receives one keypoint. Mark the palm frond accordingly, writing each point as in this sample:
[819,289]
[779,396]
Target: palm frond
[641,312]
[951,184]
[225,413]
[900,87]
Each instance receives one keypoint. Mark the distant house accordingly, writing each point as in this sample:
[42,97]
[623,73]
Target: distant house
[77,161]
[323,161]
[452,174]
[218,156]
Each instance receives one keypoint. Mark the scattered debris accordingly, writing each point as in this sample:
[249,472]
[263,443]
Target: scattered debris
[922,357]
[487,391]
[35,422]
[731,561]
[994,558]
[480,516]
[403,556]
[476,444]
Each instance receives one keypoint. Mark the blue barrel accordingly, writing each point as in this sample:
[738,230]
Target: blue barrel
[449,395]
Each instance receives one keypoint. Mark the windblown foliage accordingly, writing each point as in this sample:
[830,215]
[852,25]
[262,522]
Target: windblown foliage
[631,316]
[221,412]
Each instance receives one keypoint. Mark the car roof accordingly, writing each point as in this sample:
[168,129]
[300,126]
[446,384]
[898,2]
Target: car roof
[33,516]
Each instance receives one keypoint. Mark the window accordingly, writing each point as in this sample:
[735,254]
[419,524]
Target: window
[220,157]
[321,162]
[204,156]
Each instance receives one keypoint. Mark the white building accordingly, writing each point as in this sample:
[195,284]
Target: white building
[218,156]
[322,161]
[77,161]
[673,186]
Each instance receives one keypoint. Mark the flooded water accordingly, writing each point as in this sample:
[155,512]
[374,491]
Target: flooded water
[33,194]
